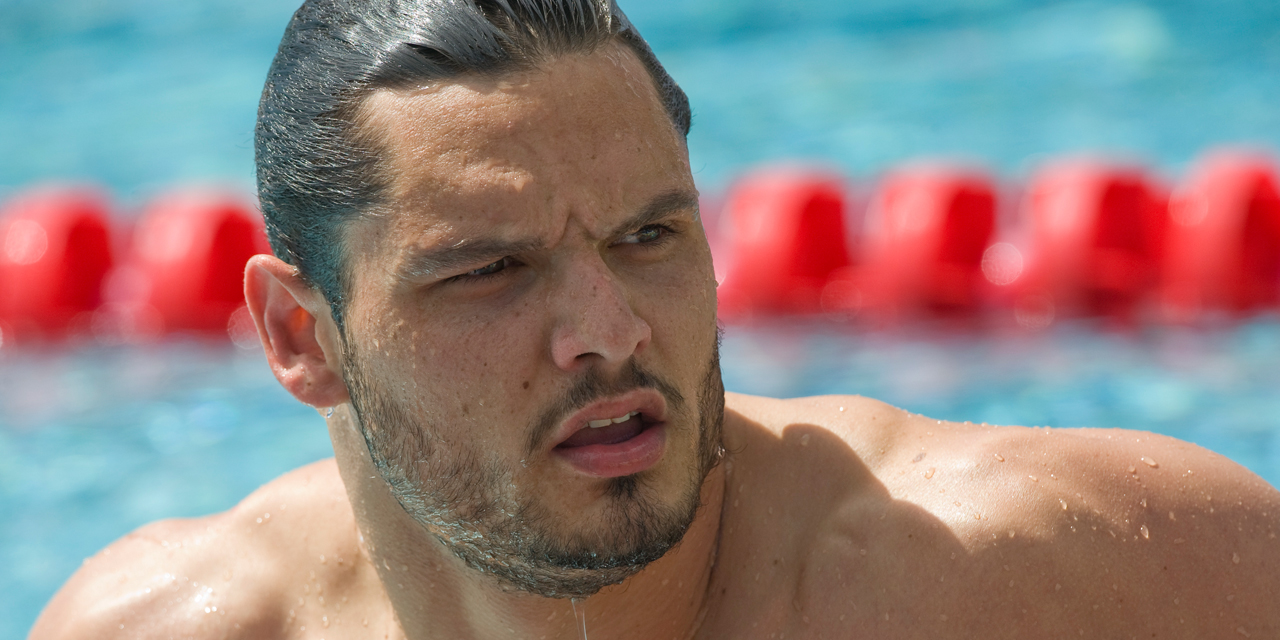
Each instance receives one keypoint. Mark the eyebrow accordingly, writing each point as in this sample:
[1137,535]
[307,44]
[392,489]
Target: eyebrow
[465,253]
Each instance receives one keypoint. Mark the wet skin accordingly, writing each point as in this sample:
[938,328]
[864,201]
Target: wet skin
[833,517]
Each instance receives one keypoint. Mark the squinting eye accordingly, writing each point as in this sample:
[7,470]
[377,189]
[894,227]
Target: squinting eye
[489,269]
[651,233]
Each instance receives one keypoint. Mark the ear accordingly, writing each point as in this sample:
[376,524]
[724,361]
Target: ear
[297,332]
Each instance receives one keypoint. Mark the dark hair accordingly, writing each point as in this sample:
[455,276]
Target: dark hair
[315,169]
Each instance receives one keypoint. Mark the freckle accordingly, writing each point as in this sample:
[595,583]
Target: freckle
[526,384]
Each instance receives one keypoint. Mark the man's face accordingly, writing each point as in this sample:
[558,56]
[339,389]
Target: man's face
[531,342]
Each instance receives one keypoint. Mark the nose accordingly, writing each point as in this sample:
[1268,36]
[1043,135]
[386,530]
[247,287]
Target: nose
[595,322]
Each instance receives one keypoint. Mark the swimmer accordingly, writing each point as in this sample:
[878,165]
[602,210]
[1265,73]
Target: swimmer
[491,280]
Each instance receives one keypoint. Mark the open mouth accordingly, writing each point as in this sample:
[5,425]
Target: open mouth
[622,445]
[607,431]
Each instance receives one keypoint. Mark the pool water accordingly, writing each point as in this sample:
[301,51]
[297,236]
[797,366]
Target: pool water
[141,94]
[96,442]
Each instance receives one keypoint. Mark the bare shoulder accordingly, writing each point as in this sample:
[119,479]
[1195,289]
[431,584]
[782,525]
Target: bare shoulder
[1067,531]
[245,573]
[1140,528]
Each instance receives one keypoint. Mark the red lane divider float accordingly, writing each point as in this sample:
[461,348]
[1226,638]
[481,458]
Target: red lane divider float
[185,270]
[1096,239]
[1093,239]
[786,237]
[1097,235]
[925,233]
[55,250]
[182,271]
[1223,250]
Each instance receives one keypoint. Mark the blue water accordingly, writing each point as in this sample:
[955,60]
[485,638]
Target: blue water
[96,442]
[144,94]
[140,94]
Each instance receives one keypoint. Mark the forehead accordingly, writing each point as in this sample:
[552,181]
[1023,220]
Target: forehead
[579,130]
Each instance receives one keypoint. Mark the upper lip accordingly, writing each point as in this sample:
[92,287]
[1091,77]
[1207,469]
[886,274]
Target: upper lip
[651,405]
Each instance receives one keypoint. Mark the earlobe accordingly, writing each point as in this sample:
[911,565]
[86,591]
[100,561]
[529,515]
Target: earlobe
[297,332]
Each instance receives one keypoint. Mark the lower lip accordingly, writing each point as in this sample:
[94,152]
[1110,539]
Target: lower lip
[621,459]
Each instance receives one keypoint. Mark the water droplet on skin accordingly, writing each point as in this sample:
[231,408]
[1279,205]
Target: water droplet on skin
[1133,469]
[842,408]
[1143,502]
[1150,463]
[1034,479]
[999,457]
[804,440]
[1235,558]
[1063,503]
[929,474]
[1146,534]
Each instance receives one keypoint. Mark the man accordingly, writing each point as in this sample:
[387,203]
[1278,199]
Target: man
[492,280]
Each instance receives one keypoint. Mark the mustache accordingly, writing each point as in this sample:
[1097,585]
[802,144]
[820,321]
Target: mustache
[592,386]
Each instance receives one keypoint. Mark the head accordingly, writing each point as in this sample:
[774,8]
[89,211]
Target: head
[316,167]
[488,206]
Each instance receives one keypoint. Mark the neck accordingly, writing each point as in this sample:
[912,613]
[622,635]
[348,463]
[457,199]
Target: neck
[435,595]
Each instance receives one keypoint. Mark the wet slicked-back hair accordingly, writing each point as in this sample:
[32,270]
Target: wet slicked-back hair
[317,171]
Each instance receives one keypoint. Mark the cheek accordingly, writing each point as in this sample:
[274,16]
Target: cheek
[680,307]
[467,368]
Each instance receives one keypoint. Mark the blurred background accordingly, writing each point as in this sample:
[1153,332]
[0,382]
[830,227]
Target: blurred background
[140,96]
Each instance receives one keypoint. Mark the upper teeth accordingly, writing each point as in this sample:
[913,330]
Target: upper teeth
[596,424]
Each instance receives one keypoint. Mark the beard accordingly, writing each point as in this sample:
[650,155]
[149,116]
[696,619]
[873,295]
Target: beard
[468,501]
